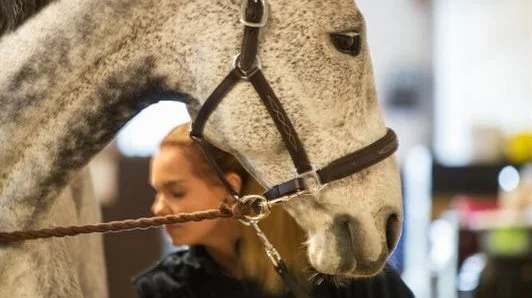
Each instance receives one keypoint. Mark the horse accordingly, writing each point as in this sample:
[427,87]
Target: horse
[78,70]
[62,267]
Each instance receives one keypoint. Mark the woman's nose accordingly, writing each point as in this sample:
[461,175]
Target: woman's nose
[159,207]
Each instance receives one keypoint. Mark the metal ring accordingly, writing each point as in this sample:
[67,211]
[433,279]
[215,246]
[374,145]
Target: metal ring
[243,75]
[262,204]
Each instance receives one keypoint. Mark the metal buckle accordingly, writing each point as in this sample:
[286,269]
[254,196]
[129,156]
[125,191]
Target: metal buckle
[312,182]
[260,202]
[285,199]
[271,252]
[244,75]
[264,18]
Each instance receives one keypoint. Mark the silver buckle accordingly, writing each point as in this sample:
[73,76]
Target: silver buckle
[263,20]
[312,182]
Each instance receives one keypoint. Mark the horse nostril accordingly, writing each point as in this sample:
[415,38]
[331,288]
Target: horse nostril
[344,231]
[392,231]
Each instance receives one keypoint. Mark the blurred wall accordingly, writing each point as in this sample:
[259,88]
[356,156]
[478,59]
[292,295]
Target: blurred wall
[483,72]
[400,41]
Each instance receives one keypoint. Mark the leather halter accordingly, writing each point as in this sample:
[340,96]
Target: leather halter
[247,67]
[308,179]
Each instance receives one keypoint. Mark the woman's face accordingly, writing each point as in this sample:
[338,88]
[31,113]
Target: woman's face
[179,189]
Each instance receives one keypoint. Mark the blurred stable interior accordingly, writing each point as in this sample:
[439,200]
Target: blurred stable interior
[454,80]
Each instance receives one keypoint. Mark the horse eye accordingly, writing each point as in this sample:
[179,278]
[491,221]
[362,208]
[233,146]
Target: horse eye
[347,42]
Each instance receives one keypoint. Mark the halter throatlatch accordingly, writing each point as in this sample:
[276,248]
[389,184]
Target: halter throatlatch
[309,180]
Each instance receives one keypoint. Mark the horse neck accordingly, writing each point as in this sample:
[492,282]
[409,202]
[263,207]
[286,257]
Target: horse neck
[83,275]
[65,94]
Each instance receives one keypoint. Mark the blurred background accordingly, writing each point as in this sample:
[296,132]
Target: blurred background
[454,79]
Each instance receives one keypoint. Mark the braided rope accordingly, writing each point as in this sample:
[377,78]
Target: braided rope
[224,211]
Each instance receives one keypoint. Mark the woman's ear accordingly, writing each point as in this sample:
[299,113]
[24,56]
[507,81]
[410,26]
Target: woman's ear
[235,180]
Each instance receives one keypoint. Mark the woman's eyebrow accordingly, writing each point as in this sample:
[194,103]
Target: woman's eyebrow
[172,183]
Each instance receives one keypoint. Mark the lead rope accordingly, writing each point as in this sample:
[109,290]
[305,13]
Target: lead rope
[249,210]
[258,208]
[119,226]
[278,263]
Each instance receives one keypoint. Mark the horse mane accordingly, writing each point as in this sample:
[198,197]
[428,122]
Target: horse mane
[15,12]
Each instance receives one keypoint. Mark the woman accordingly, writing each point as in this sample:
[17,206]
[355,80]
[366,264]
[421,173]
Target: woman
[225,258]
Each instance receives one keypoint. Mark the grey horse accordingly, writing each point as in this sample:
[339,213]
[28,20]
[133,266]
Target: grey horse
[78,70]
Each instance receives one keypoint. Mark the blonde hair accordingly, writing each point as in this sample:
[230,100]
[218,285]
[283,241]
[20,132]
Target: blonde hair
[284,233]
[179,137]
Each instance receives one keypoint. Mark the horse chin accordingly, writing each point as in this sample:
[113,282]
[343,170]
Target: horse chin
[364,271]
[344,261]
[343,279]
[357,271]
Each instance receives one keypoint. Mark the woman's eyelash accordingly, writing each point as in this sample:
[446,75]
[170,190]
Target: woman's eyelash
[178,194]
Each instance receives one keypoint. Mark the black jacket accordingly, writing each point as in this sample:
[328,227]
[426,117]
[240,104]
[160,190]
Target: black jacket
[193,274]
